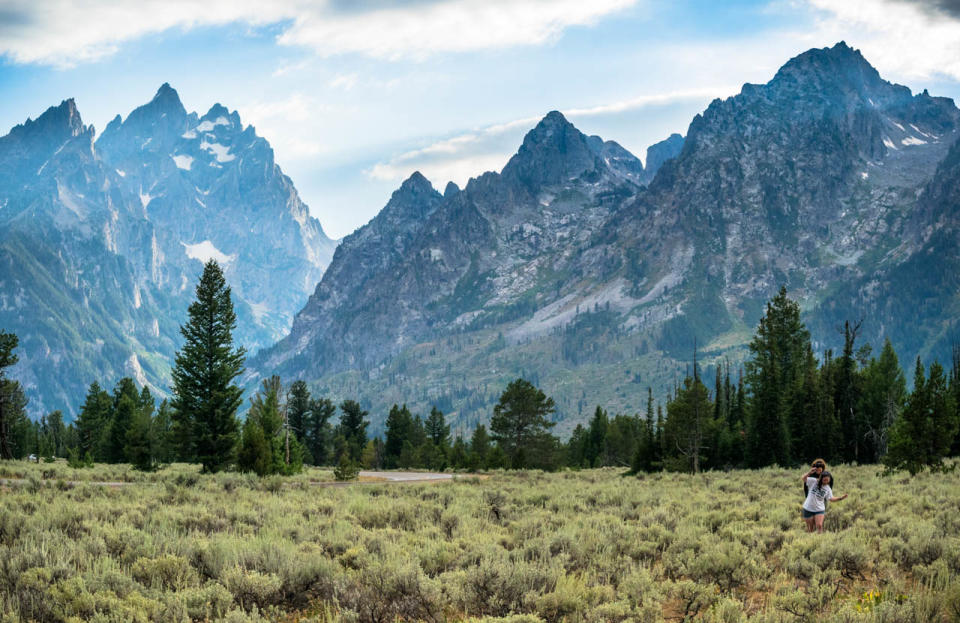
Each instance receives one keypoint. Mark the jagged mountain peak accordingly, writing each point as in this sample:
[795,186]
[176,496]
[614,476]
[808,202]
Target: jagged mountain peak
[417,182]
[838,69]
[167,98]
[415,198]
[553,152]
[219,112]
[62,120]
[450,190]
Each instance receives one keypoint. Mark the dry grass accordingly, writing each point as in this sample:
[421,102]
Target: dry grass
[524,547]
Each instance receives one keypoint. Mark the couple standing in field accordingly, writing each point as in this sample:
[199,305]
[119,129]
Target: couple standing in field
[816,485]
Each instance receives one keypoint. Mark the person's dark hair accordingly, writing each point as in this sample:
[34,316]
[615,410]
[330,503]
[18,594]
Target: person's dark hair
[825,475]
[816,463]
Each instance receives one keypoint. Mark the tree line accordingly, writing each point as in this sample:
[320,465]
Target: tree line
[785,407]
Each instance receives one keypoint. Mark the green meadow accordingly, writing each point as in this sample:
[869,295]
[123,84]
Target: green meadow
[590,545]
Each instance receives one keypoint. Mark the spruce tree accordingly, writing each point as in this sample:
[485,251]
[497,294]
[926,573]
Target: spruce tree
[777,356]
[846,395]
[126,404]
[93,421]
[943,422]
[398,432]
[141,444]
[479,448]
[8,391]
[883,394]
[908,435]
[163,433]
[578,447]
[318,431]
[437,429]
[597,436]
[298,408]
[204,396]
[353,427]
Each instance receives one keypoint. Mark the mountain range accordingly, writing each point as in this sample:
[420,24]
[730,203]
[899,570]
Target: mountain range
[596,278]
[577,266]
[101,241]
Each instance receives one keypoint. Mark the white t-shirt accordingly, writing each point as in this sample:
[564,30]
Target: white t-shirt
[816,497]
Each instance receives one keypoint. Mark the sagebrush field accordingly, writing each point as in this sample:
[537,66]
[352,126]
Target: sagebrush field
[523,546]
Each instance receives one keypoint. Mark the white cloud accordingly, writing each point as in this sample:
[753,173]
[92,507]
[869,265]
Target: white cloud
[66,32]
[281,122]
[653,99]
[343,81]
[900,39]
[455,26]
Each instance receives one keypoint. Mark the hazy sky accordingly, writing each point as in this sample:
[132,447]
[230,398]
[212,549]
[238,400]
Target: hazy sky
[356,95]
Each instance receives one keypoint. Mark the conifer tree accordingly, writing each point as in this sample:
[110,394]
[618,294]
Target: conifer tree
[437,429]
[318,431]
[399,427]
[596,454]
[577,447]
[163,433]
[353,427]
[907,444]
[126,404]
[846,395]
[479,448]
[689,425]
[92,422]
[520,422]
[204,396]
[141,445]
[777,353]
[459,452]
[298,408]
[10,410]
[881,400]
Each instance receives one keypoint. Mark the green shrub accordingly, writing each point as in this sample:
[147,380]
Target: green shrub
[346,469]
[166,572]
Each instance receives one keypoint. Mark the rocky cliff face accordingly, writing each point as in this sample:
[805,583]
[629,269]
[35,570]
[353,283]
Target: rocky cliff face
[430,264]
[566,269]
[101,243]
[212,188]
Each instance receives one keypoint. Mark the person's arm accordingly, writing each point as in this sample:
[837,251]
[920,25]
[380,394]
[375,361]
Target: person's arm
[810,474]
[842,497]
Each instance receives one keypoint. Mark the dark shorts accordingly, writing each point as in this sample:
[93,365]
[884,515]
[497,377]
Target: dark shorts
[808,514]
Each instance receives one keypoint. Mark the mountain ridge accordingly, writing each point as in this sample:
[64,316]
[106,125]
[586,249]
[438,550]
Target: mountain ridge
[565,268]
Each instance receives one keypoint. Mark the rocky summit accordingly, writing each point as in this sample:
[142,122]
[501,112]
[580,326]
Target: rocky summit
[594,277]
[101,242]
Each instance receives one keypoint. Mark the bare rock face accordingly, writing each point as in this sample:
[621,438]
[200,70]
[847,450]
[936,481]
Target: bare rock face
[583,269]
[101,243]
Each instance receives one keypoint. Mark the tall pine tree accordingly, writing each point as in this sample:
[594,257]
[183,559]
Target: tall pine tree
[777,357]
[205,398]
[10,407]
[353,428]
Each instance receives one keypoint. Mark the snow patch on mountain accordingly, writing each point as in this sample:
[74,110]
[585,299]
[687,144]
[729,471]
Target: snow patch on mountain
[220,152]
[183,162]
[208,126]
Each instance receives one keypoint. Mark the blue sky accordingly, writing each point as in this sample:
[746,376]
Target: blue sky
[354,95]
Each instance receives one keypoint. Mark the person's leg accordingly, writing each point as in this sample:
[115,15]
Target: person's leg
[809,522]
[818,520]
